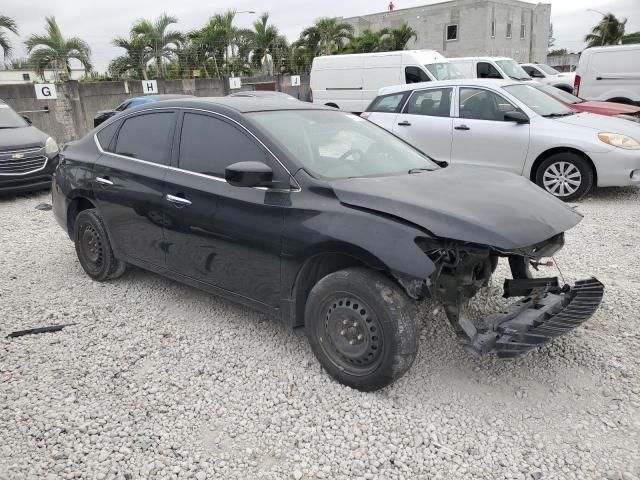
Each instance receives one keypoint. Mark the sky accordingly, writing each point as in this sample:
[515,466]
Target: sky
[99,21]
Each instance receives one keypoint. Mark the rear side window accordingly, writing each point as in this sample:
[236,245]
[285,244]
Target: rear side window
[415,75]
[105,136]
[387,104]
[147,137]
[209,145]
[433,103]
[486,70]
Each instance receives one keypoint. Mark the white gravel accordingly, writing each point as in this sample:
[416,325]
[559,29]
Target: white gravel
[159,380]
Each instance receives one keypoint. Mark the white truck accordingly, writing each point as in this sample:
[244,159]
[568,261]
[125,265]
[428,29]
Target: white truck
[550,76]
[609,74]
[351,82]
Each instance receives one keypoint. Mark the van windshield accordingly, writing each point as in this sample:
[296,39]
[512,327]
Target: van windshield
[444,71]
[331,144]
[513,70]
[9,118]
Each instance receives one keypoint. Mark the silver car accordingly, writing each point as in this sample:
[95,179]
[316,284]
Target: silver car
[514,127]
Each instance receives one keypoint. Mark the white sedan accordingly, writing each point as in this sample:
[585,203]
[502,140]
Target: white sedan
[514,127]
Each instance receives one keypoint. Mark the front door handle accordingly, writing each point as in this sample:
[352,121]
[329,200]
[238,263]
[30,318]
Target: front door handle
[461,127]
[183,202]
[404,124]
[104,181]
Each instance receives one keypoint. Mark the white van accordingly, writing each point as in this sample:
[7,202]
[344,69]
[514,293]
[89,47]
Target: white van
[490,67]
[351,82]
[610,74]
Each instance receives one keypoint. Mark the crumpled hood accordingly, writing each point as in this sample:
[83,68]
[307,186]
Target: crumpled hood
[23,137]
[601,123]
[477,205]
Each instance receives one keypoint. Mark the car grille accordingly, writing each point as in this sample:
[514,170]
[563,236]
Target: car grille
[22,162]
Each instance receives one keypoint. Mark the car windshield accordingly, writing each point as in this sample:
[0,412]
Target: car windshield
[558,94]
[333,144]
[513,70]
[9,118]
[444,71]
[538,101]
[547,69]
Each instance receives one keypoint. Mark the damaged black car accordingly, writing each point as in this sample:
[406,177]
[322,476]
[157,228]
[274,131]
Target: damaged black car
[322,220]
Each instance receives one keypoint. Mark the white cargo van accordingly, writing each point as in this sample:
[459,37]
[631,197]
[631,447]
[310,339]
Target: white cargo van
[351,82]
[490,67]
[610,74]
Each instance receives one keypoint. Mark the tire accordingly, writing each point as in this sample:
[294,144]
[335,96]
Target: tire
[565,168]
[94,249]
[362,328]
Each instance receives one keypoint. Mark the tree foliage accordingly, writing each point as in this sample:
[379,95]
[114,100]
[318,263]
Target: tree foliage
[7,24]
[609,31]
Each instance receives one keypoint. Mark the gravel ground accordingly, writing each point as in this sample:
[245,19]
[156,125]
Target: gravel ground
[159,380]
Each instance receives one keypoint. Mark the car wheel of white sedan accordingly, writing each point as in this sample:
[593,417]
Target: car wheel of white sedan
[565,175]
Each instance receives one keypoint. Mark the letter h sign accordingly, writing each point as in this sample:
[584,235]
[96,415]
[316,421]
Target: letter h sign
[149,87]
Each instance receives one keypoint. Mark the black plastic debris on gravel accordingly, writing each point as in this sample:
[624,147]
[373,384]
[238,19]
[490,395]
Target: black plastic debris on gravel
[44,206]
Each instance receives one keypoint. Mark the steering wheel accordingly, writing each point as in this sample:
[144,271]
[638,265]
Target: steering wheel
[353,151]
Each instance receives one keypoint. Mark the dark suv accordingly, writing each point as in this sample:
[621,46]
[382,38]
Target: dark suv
[321,219]
[28,156]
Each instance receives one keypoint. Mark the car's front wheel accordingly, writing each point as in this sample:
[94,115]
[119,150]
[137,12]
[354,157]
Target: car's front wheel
[565,175]
[94,249]
[362,328]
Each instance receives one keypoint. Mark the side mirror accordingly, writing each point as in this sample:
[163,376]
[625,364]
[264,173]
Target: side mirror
[248,174]
[27,119]
[515,116]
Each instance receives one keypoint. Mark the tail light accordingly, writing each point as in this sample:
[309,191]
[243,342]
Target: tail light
[365,115]
[576,86]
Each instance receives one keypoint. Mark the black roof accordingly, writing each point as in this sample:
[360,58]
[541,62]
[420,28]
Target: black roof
[239,104]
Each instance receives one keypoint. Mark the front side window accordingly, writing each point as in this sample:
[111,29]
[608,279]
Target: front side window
[538,101]
[486,70]
[432,103]
[480,104]
[147,137]
[330,144]
[208,145]
[444,71]
[387,104]
[105,136]
[452,32]
[415,75]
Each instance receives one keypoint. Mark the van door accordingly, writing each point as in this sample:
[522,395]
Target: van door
[379,70]
[612,75]
[426,123]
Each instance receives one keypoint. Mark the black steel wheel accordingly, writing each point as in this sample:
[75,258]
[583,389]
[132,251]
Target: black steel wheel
[93,247]
[361,326]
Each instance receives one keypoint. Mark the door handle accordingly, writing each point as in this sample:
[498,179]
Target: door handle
[404,124]
[178,200]
[461,127]
[104,181]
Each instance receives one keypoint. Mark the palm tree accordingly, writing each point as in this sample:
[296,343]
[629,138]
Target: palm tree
[368,42]
[609,31]
[399,37]
[267,45]
[631,38]
[161,42]
[218,40]
[53,50]
[135,59]
[6,23]
[327,35]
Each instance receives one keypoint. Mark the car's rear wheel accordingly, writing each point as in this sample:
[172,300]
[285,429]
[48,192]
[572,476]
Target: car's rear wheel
[565,175]
[362,328]
[93,248]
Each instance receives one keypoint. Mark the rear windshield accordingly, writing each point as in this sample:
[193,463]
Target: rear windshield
[9,118]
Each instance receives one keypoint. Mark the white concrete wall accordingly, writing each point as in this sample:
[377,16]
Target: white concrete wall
[13,77]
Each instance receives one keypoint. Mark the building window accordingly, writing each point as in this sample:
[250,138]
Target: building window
[26,76]
[493,29]
[452,32]
[508,30]
[523,30]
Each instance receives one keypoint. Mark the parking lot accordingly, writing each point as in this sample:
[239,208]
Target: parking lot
[158,379]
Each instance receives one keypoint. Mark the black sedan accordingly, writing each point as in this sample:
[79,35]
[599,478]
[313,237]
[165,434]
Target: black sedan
[28,156]
[103,115]
[321,219]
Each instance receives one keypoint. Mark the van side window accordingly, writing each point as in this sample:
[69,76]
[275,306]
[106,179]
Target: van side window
[415,75]
[433,103]
[387,104]
[486,70]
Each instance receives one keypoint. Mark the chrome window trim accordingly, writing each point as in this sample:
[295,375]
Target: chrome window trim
[44,165]
[123,117]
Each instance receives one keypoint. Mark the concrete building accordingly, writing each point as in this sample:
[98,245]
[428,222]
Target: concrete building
[21,76]
[462,28]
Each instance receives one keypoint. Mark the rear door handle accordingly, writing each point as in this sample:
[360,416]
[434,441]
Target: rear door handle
[461,127]
[104,181]
[178,200]
[404,124]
